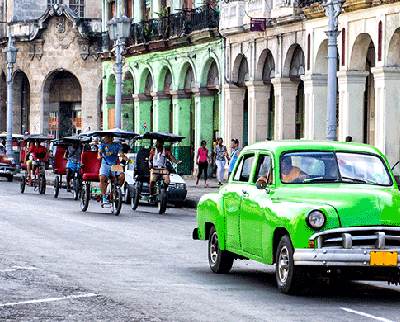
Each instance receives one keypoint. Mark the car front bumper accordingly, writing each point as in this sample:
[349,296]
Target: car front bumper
[341,257]
[6,171]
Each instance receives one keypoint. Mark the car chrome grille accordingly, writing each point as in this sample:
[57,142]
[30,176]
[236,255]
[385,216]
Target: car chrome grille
[359,237]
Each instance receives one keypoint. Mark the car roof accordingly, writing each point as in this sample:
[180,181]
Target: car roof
[278,147]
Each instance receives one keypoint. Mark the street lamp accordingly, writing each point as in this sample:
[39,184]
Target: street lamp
[332,10]
[11,57]
[119,29]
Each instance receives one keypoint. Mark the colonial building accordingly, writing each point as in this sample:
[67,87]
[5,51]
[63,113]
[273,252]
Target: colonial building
[276,80]
[57,75]
[173,72]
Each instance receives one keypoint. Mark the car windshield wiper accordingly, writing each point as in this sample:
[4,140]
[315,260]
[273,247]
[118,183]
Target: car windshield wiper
[319,179]
[359,180]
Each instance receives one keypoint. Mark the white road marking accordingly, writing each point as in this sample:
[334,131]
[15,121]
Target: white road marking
[55,299]
[365,315]
[18,268]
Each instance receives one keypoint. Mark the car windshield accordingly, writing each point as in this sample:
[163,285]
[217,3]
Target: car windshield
[314,167]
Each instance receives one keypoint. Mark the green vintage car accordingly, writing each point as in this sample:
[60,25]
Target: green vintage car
[314,209]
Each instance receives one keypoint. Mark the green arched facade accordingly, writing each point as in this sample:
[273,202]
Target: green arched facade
[172,91]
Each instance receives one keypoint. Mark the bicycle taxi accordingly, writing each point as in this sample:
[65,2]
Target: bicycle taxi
[141,190]
[73,145]
[36,160]
[90,169]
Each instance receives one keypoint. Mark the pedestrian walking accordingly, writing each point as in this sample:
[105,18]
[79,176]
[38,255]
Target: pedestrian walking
[234,155]
[219,159]
[202,160]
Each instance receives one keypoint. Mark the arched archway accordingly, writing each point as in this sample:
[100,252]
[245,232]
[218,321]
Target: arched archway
[242,78]
[297,68]
[321,63]
[268,72]
[363,59]
[62,97]
[127,102]
[21,103]
[109,123]
[393,55]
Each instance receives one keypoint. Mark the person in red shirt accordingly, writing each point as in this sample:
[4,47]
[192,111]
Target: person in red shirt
[37,152]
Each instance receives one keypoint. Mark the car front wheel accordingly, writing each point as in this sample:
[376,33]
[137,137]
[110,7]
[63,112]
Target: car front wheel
[289,278]
[220,261]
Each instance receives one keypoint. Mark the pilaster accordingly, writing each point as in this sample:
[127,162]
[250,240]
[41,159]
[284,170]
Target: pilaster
[233,105]
[315,105]
[351,104]
[285,108]
[258,110]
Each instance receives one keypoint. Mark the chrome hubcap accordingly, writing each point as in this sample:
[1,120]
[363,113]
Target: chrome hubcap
[283,264]
[214,247]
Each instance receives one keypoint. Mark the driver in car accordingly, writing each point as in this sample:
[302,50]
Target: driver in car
[108,152]
[290,173]
[157,164]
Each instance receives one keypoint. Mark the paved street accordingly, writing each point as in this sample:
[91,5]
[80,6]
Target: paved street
[60,264]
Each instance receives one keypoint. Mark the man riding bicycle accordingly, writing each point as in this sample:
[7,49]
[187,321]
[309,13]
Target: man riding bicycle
[73,155]
[108,152]
[157,164]
[39,153]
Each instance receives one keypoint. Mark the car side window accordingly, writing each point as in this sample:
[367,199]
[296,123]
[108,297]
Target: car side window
[243,171]
[264,165]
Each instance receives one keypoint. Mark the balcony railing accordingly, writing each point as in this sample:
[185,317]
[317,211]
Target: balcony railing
[176,25]
[307,3]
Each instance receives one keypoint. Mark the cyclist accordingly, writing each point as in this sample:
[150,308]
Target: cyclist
[39,153]
[29,158]
[108,152]
[73,155]
[158,161]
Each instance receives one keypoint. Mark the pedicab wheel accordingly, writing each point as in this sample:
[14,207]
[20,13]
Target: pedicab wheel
[117,201]
[76,188]
[10,178]
[42,184]
[136,196]
[85,196]
[23,183]
[56,186]
[162,201]
[127,195]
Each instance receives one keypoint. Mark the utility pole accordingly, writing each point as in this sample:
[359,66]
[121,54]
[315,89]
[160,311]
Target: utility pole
[11,57]
[332,10]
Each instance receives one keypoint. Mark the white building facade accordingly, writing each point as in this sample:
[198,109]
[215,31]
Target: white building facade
[276,80]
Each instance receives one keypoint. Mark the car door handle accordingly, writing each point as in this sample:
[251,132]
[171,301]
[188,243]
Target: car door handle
[245,193]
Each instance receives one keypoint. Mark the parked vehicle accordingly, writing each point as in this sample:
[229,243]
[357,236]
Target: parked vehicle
[314,209]
[140,189]
[7,167]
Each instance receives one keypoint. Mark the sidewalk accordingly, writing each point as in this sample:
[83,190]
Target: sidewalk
[194,193]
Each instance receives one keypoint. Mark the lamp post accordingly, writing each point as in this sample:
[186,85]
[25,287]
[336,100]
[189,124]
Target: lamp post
[119,29]
[332,10]
[11,57]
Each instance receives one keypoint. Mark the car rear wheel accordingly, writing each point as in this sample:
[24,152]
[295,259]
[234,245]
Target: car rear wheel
[220,261]
[10,178]
[289,278]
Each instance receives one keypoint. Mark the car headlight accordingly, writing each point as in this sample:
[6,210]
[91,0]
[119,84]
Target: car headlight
[316,219]
[181,186]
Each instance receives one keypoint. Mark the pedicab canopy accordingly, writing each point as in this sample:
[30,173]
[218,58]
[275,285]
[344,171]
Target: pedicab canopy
[115,133]
[165,136]
[37,137]
[68,140]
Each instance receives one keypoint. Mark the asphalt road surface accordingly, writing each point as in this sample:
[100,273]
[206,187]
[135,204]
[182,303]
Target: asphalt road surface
[58,263]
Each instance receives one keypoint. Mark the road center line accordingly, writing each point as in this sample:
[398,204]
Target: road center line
[18,268]
[55,299]
[365,315]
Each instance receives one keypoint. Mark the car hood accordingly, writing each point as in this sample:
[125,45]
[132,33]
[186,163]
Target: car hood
[356,204]
[176,178]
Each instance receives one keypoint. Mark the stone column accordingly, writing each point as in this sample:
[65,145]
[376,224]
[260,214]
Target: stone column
[36,107]
[161,108]
[351,104]
[285,92]
[387,111]
[181,102]
[258,110]
[315,105]
[233,106]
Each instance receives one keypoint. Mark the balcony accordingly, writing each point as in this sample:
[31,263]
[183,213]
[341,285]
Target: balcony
[173,30]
